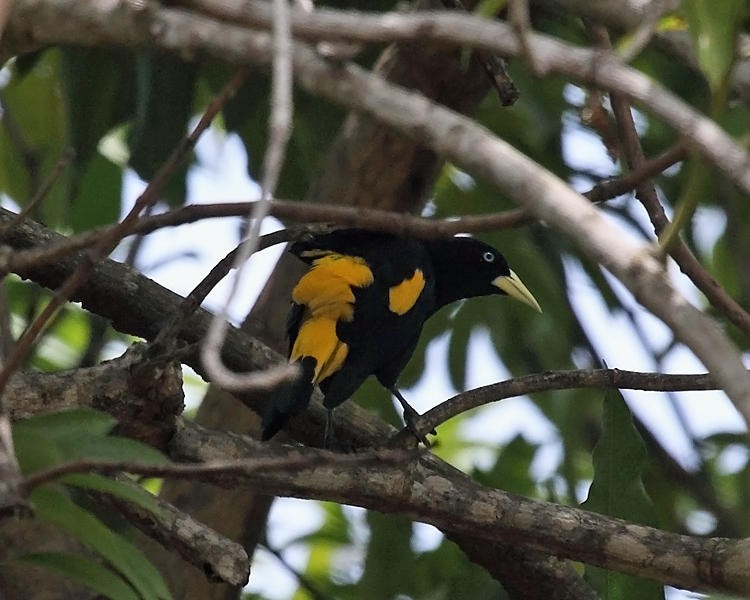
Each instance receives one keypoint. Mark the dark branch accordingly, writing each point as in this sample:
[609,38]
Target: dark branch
[560,380]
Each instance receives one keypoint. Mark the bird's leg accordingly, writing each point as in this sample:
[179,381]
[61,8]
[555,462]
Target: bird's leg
[410,417]
[329,437]
[330,440]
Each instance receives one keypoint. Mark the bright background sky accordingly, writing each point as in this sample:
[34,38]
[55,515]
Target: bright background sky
[220,176]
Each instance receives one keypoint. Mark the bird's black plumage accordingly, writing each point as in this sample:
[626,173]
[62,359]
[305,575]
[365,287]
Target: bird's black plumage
[360,307]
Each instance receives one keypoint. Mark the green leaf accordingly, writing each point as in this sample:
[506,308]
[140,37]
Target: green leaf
[109,448]
[45,440]
[164,106]
[35,451]
[31,147]
[97,201]
[128,491]
[512,468]
[98,577]
[65,423]
[489,8]
[617,490]
[76,434]
[713,26]
[390,535]
[99,86]
[55,507]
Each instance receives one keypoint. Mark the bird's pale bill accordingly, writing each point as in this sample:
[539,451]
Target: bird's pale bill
[514,287]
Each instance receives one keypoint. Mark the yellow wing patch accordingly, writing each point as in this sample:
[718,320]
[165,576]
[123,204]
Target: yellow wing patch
[326,289]
[326,292]
[402,297]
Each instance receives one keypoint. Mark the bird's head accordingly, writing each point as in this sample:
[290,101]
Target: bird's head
[466,267]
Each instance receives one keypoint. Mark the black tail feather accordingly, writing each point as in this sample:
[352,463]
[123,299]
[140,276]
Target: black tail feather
[290,399]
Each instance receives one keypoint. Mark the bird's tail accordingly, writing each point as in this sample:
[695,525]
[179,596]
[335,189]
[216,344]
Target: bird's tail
[290,399]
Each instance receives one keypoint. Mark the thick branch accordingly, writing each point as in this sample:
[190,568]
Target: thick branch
[426,491]
[527,183]
[218,557]
[39,23]
[533,188]
[144,396]
[139,306]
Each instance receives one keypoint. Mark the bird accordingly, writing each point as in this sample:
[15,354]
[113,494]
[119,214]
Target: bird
[359,308]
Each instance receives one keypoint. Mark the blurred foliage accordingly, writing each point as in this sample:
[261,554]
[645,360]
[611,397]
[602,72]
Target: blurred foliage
[45,441]
[617,489]
[92,101]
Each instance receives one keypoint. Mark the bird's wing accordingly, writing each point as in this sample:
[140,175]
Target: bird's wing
[326,297]
[322,298]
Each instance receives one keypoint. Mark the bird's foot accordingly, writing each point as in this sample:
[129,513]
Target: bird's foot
[411,418]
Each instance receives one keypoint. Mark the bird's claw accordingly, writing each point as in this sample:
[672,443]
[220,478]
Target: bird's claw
[411,418]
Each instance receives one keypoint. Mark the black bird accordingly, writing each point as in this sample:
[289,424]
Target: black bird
[359,310]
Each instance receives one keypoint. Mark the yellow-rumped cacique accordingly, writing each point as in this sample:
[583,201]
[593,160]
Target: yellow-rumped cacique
[359,310]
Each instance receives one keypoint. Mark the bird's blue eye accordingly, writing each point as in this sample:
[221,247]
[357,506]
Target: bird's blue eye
[488,256]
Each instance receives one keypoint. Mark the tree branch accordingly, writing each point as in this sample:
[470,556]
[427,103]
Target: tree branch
[550,56]
[533,188]
[448,133]
[139,306]
[422,489]
[143,394]
[218,557]
[399,223]
[265,458]
[646,193]
[427,491]
[184,33]
[558,380]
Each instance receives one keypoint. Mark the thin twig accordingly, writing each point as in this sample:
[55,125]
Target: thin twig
[561,380]
[494,66]
[644,33]
[302,579]
[63,163]
[107,242]
[408,225]
[297,460]
[646,193]
[520,20]
[193,300]
[279,127]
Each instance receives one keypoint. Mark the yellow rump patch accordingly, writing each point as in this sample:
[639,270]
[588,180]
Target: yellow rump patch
[402,297]
[317,338]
